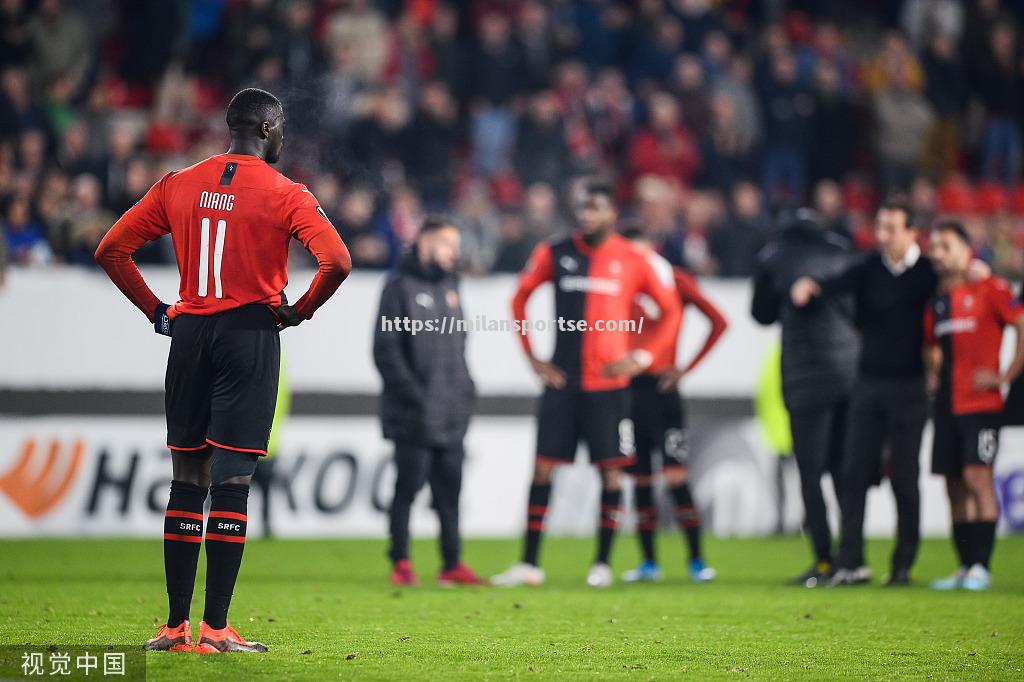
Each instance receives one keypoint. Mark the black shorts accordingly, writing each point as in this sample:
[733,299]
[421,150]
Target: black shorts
[659,423]
[963,440]
[599,418]
[221,384]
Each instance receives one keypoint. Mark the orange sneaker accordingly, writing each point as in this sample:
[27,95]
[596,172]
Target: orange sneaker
[171,639]
[225,640]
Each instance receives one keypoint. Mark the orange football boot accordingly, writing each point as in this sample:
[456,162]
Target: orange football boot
[225,640]
[171,639]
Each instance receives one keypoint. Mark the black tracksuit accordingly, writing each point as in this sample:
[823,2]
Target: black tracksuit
[427,399]
[819,360]
[889,403]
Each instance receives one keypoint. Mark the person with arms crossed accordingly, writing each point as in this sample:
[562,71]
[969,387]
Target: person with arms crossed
[819,364]
[597,275]
[428,393]
[963,334]
[659,417]
[231,217]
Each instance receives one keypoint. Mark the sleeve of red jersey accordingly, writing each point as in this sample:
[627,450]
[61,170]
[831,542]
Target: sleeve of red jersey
[665,332]
[143,222]
[689,292]
[537,271]
[1007,307]
[929,328]
[308,223]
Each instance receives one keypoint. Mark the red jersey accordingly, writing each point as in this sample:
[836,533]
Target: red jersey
[231,217]
[967,322]
[688,292]
[595,285]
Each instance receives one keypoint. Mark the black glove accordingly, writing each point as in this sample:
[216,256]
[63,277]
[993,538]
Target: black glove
[161,323]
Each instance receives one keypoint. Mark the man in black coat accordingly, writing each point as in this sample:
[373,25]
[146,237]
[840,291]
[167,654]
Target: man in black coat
[820,347]
[419,348]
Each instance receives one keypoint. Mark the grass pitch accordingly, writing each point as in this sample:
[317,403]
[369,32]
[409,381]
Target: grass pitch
[327,612]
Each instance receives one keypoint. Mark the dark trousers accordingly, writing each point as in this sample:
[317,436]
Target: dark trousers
[818,445]
[442,468]
[884,413]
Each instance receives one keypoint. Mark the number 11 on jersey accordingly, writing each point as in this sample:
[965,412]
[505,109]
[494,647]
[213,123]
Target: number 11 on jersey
[204,257]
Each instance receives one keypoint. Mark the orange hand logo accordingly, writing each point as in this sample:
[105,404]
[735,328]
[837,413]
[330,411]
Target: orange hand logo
[37,489]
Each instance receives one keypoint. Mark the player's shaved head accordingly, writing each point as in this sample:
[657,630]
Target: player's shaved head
[256,121]
[250,107]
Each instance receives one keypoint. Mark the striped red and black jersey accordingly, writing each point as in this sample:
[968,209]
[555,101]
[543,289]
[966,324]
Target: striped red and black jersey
[595,284]
[967,323]
[688,292]
[232,218]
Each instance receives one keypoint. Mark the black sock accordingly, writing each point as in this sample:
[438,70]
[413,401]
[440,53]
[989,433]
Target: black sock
[611,510]
[962,541]
[183,536]
[984,542]
[687,518]
[540,494]
[225,542]
[646,520]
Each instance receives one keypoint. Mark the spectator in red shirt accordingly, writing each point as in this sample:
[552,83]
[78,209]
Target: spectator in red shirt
[664,146]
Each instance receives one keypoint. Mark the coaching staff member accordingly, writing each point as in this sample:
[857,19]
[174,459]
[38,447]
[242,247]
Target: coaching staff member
[428,394]
[820,347]
[890,289]
[889,403]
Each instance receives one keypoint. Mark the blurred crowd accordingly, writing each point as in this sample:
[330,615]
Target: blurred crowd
[711,117]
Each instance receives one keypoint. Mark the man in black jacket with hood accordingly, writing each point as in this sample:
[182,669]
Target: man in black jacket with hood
[820,347]
[419,348]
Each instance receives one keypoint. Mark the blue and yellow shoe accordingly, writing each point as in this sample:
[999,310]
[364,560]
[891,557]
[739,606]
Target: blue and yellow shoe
[699,573]
[647,572]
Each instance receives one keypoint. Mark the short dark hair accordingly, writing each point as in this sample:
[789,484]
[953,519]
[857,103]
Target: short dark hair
[957,228]
[435,223]
[899,204]
[600,188]
[250,107]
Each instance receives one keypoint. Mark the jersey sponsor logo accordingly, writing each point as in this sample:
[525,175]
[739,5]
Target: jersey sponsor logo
[956,325]
[593,285]
[425,300]
[38,481]
[217,201]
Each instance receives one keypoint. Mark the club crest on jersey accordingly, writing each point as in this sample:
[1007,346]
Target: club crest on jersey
[425,300]
[615,267]
[568,263]
[968,301]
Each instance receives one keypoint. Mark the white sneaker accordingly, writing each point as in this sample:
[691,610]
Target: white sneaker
[600,576]
[978,579]
[519,574]
[851,576]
